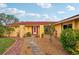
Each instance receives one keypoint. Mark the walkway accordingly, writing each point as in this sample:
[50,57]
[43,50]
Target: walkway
[16,48]
[37,46]
[35,50]
[53,48]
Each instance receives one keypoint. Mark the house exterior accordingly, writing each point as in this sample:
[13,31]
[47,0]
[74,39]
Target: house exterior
[35,28]
[72,22]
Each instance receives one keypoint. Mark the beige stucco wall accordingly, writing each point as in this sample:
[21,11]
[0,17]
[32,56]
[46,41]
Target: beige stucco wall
[28,29]
[15,32]
[77,24]
[22,29]
[59,27]
[41,30]
[38,30]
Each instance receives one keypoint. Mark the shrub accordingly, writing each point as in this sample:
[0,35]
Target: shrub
[69,39]
[2,31]
[49,29]
[28,34]
[8,30]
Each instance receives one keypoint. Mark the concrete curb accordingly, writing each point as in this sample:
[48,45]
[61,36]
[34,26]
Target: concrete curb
[9,47]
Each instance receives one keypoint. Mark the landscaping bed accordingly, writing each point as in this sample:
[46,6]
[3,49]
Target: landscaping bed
[5,43]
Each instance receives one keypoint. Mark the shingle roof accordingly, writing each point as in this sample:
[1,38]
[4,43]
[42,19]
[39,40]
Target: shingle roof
[31,23]
[68,19]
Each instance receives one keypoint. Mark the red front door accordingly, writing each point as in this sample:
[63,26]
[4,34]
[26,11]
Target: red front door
[35,30]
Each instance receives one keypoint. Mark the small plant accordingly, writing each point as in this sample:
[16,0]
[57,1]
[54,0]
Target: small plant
[28,34]
[70,40]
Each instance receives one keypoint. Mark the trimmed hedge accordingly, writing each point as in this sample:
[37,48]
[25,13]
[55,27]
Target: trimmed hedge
[70,40]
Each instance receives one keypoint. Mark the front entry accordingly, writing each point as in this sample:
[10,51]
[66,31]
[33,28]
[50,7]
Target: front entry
[35,30]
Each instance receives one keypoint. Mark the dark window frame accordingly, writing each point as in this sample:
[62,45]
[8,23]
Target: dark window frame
[66,26]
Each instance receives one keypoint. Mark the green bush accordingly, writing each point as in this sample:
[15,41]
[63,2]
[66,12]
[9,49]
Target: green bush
[69,39]
[2,31]
[49,29]
[28,34]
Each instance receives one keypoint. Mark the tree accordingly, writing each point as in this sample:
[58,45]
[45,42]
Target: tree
[8,19]
[11,19]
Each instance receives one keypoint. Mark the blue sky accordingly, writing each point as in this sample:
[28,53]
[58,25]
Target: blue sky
[40,11]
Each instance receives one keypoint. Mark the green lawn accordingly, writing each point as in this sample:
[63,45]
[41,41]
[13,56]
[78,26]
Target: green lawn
[5,43]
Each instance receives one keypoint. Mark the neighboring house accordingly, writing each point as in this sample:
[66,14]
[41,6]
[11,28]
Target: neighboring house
[72,22]
[35,28]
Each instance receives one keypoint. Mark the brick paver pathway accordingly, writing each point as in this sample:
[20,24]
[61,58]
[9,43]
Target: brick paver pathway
[16,48]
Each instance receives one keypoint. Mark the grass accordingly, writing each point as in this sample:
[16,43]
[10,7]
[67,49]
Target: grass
[5,43]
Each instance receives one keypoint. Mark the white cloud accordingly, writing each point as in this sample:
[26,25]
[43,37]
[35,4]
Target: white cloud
[71,8]
[46,16]
[32,14]
[52,18]
[21,13]
[44,5]
[61,12]
[15,11]
[55,18]
[2,5]
[12,10]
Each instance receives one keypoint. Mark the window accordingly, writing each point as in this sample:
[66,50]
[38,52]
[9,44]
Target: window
[70,26]
[67,26]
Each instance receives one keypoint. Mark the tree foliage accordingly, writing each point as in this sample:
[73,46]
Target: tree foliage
[8,19]
[49,29]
